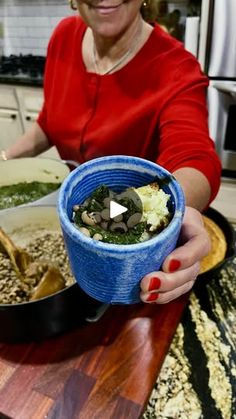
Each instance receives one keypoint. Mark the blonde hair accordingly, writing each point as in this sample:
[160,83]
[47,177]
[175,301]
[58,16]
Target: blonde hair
[149,10]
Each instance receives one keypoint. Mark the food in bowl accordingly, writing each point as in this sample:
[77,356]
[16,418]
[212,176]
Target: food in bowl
[109,272]
[45,246]
[218,245]
[146,213]
[25,192]
[30,181]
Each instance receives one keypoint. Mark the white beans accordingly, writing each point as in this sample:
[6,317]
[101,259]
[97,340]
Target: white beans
[85,231]
[88,219]
[97,236]
[134,219]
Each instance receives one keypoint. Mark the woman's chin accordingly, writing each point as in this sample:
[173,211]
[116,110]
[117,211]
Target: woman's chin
[108,30]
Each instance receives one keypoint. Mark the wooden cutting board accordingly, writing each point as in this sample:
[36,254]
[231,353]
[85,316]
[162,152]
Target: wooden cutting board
[102,370]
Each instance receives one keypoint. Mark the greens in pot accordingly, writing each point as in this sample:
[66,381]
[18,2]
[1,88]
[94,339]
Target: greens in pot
[25,192]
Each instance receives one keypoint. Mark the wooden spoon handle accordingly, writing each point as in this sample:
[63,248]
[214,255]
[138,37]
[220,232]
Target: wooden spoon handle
[20,258]
[51,282]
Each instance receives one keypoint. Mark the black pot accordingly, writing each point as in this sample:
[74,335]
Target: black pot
[47,317]
[52,315]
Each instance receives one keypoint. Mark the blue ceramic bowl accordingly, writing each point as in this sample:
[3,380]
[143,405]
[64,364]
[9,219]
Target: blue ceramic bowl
[111,273]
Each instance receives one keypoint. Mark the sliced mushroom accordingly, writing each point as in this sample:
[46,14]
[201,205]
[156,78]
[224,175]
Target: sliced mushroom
[86,202]
[131,195]
[118,218]
[107,201]
[134,219]
[104,225]
[128,193]
[105,214]
[96,216]
[120,227]
[88,218]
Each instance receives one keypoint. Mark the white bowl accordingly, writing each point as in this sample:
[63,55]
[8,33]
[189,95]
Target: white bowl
[31,169]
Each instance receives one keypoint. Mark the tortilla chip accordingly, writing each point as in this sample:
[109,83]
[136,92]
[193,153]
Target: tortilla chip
[218,245]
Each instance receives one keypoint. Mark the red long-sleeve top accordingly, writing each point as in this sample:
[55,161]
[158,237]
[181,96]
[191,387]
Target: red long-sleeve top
[154,107]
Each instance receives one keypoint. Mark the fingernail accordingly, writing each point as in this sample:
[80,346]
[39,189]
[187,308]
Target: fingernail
[154,283]
[174,265]
[152,297]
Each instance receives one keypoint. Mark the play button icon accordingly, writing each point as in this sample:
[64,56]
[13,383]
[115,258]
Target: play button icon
[116,209]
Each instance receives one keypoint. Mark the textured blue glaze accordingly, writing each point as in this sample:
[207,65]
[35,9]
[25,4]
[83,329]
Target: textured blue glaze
[108,272]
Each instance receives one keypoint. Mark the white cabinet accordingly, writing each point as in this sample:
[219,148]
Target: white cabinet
[19,108]
[10,118]
[10,127]
[30,102]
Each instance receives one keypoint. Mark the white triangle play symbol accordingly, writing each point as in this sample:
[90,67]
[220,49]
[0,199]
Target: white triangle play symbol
[116,209]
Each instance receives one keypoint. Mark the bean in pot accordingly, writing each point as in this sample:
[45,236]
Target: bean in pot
[45,246]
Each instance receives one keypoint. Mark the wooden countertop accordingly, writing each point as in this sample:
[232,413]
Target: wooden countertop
[102,370]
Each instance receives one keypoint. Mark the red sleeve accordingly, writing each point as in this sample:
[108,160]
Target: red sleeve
[41,120]
[184,132]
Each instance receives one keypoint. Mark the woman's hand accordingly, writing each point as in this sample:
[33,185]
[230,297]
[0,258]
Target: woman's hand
[181,267]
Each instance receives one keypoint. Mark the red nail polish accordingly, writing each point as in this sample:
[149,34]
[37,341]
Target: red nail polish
[174,265]
[154,284]
[152,297]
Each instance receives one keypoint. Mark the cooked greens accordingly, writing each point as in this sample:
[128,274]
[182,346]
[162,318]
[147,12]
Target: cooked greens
[24,192]
[147,213]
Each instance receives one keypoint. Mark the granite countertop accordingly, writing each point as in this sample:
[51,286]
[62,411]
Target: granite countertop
[198,376]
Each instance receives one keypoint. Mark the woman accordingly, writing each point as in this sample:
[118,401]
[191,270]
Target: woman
[114,84]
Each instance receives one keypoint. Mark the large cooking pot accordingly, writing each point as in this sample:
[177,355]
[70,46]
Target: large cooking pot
[39,169]
[37,320]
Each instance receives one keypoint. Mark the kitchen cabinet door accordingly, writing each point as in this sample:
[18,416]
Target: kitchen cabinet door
[30,101]
[10,119]
[31,117]
[8,99]
[10,127]
[19,108]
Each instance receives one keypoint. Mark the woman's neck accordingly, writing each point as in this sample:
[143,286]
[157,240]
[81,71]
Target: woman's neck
[116,46]
[105,55]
